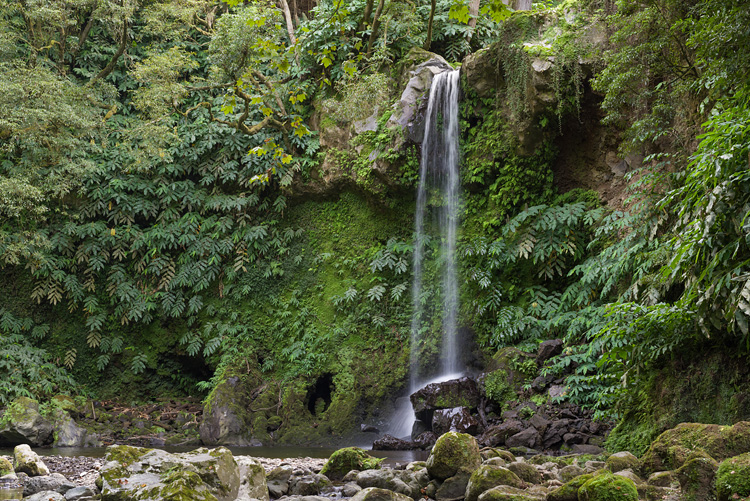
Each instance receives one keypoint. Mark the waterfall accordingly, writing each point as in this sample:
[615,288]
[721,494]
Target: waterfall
[439,189]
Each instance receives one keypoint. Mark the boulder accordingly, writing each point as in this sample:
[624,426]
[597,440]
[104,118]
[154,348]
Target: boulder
[222,422]
[277,480]
[569,490]
[456,419]
[23,424]
[733,478]
[345,460]
[46,496]
[252,480]
[486,477]
[608,487]
[52,482]
[670,449]
[526,472]
[662,479]
[135,472]
[454,487]
[461,392]
[426,440]
[309,485]
[68,434]
[568,473]
[499,433]
[527,438]
[400,481]
[82,493]
[548,349]
[508,493]
[622,461]
[696,478]
[375,494]
[452,452]
[27,461]
[5,467]
[391,443]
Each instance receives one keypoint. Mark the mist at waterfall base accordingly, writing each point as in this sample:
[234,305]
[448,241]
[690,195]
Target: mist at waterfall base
[438,178]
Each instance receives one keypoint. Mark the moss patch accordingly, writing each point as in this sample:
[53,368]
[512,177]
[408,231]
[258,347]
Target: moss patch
[608,487]
[345,460]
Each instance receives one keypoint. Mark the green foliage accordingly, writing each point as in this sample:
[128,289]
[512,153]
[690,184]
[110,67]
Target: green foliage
[25,370]
[498,389]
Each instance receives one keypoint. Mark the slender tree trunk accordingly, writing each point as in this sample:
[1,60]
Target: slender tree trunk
[375,26]
[366,16]
[288,18]
[428,40]
[473,14]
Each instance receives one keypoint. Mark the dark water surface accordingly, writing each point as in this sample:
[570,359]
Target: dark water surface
[391,457]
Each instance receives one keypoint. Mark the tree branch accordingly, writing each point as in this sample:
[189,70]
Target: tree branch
[112,62]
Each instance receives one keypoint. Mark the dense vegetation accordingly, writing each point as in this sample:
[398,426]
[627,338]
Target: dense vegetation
[163,218]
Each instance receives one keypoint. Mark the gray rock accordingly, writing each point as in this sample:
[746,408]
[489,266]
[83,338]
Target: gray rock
[26,425]
[570,472]
[548,349]
[498,434]
[222,425]
[133,472]
[52,482]
[350,489]
[461,392]
[82,493]
[252,480]
[375,494]
[453,487]
[527,438]
[456,419]
[400,481]
[46,496]
[68,434]
[309,485]
[662,479]
[27,461]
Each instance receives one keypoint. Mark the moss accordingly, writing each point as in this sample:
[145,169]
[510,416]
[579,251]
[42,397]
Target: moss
[733,477]
[622,461]
[345,460]
[569,490]
[5,467]
[608,487]
[526,472]
[451,452]
[696,478]
[125,454]
[488,476]
[507,493]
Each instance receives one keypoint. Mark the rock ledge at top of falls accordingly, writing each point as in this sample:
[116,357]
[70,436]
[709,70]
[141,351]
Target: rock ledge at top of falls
[461,392]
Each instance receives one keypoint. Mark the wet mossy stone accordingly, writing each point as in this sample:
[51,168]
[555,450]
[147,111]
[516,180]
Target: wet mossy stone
[671,449]
[376,494]
[508,493]
[608,487]
[487,477]
[622,461]
[696,478]
[180,485]
[526,472]
[452,452]
[5,467]
[27,461]
[345,460]
[489,452]
[733,478]
[569,490]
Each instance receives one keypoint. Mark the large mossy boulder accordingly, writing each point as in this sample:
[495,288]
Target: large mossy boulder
[461,392]
[134,473]
[696,478]
[672,448]
[27,461]
[345,460]
[6,467]
[608,487]
[224,415]
[22,423]
[622,461]
[487,477]
[451,453]
[404,482]
[733,478]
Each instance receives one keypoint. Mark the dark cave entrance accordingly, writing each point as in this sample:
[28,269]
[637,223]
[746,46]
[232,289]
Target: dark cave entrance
[319,396]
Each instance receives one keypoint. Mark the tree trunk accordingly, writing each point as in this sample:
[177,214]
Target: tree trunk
[375,26]
[366,16]
[428,40]
[288,18]
[473,14]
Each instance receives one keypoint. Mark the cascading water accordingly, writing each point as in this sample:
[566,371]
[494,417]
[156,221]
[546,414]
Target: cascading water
[439,189]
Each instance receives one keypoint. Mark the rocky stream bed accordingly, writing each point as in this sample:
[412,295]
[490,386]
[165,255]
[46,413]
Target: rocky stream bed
[691,462]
